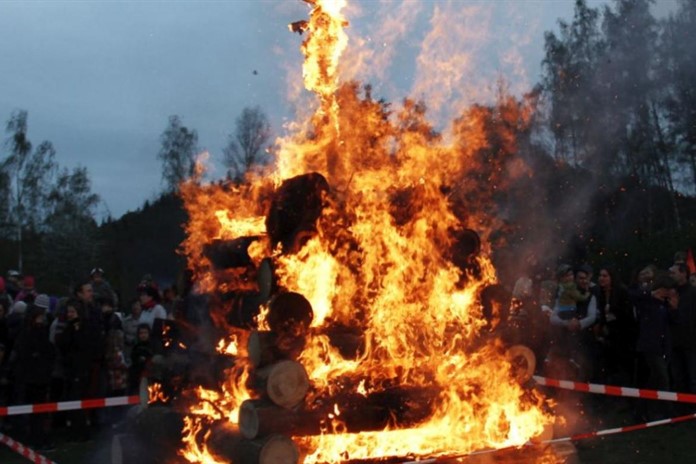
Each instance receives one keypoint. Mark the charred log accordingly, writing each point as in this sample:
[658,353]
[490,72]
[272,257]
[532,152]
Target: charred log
[350,341]
[265,348]
[295,207]
[289,313]
[402,406]
[466,244]
[225,254]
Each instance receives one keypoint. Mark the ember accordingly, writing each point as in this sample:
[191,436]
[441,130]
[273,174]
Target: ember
[350,289]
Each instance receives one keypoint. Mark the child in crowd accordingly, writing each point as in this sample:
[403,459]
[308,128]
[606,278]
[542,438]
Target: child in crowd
[568,294]
[140,356]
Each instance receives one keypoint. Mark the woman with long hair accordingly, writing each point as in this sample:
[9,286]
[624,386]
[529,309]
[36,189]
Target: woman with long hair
[616,330]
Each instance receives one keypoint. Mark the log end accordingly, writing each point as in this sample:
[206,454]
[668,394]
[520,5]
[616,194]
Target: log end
[288,383]
[248,420]
[279,449]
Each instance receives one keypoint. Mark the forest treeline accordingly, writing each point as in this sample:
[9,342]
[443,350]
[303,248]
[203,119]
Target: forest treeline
[607,139]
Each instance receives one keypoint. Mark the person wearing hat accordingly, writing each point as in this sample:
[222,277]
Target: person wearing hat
[149,301]
[12,283]
[101,287]
[28,292]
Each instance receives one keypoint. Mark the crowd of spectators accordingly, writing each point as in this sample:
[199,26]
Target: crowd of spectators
[638,335]
[73,347]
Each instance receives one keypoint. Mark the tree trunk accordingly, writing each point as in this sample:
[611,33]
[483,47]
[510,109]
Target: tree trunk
[662,146]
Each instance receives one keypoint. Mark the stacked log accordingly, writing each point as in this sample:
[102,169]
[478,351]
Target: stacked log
[226,443]
[406,406]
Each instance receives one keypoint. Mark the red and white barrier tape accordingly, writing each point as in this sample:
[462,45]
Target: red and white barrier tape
[616,391]
[22,450]
[68,405]
[628,428]
[580,436]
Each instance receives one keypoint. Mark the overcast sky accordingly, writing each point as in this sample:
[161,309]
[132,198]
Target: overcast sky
[100,78]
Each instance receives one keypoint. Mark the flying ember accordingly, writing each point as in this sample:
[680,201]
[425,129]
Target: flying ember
[347,280]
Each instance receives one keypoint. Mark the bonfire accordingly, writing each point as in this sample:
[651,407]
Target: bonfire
[347,278]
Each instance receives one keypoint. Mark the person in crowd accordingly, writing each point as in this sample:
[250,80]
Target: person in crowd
[656,308]
[28,292]
[4,355]
[130,326]
[140,357]
[110,320]
[646,276]
[91,317]
[12,284]
[574,312]
[4,383]
[684,332]
[32,358]
[615,331]
[170,300]
[568,294]
[117,371]
[58,376]
[692,279]
[15,322]
[75,343]
[149,301]
[5,297]
[43,301]
[4,308]
[101,287]
[587,269]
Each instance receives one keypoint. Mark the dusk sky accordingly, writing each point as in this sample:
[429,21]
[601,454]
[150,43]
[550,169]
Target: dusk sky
[100,78]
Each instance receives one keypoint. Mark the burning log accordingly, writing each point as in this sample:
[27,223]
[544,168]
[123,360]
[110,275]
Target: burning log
[227,444]
[350,341]
[265,279]
[265,348]
[242,309]
[225,254]
[289,312]
[295,207]
[466,244]
[405,406]
[285,383]
[523,362]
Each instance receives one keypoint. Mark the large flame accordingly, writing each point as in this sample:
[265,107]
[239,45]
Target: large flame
[380,261]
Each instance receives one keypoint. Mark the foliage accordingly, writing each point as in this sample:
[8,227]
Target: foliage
[177,153]
[245,146]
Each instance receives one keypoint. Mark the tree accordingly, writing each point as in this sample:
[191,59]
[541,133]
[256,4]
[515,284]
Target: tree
[27,176]
[245,146]
[680,72]
[178,153]
[570,80]
[70,244]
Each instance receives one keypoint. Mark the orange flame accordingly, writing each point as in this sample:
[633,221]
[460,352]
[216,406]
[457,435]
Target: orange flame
[380,260]
[155,394]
